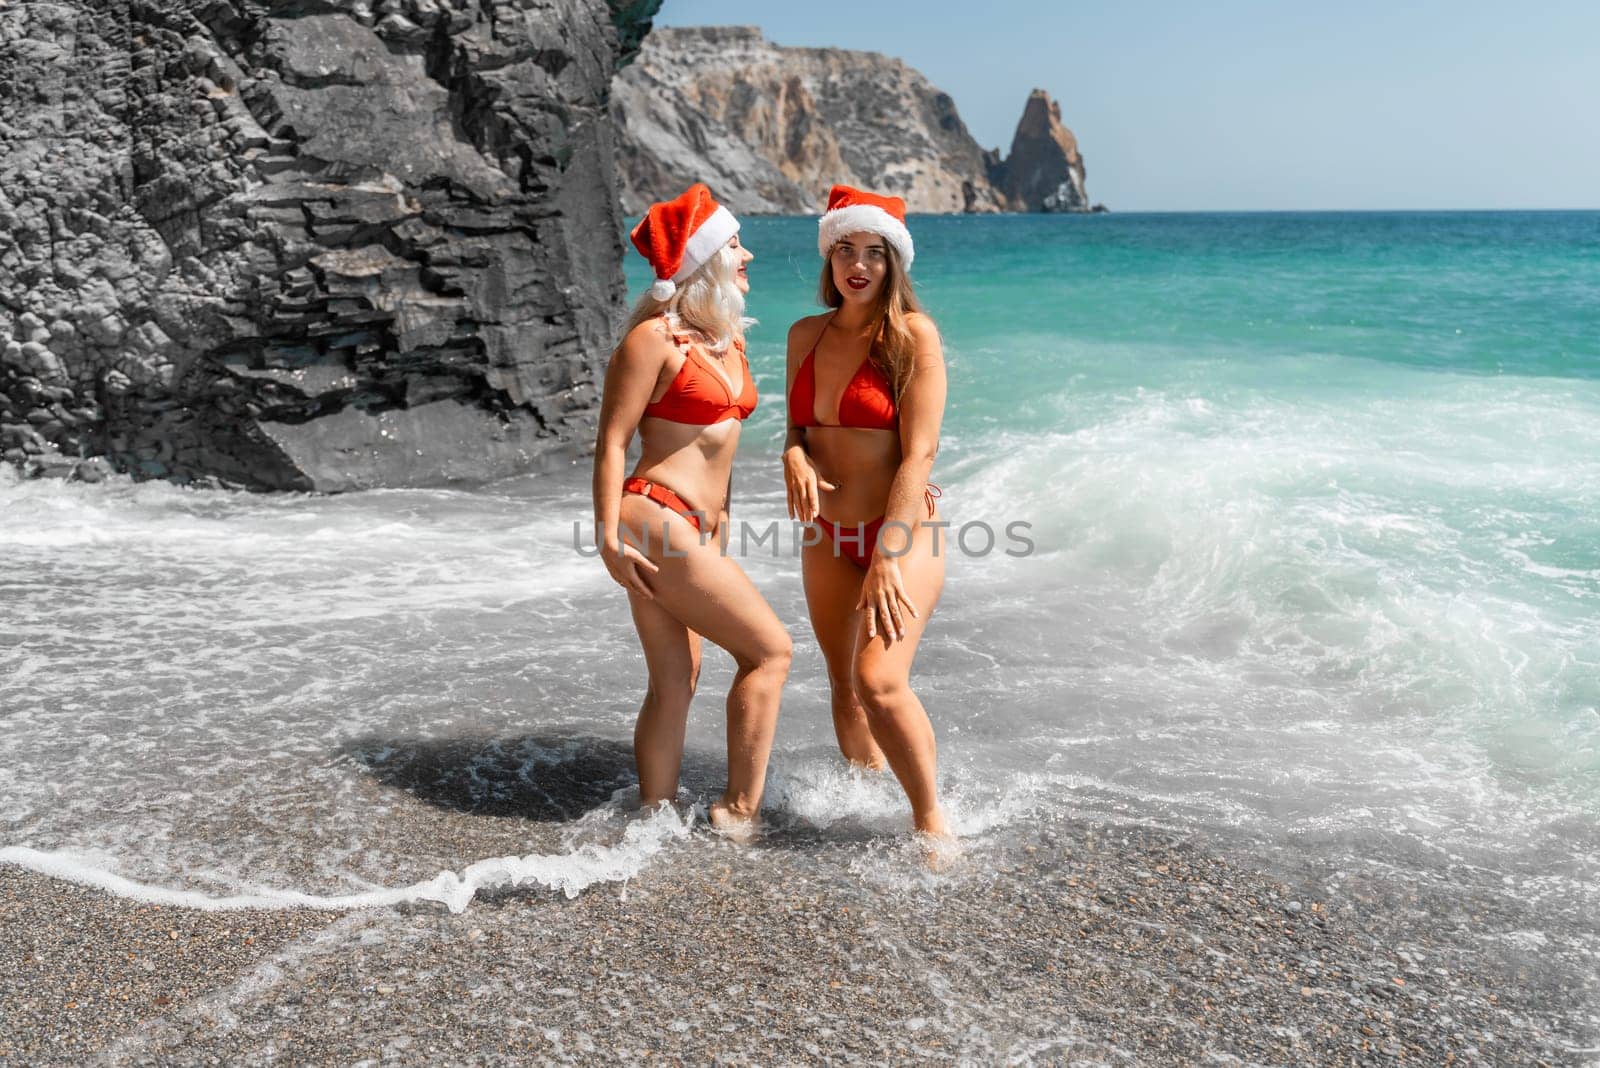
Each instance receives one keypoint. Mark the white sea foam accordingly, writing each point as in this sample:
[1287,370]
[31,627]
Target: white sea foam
[568,873]
[1313,615]
[820,790]
[1280,612]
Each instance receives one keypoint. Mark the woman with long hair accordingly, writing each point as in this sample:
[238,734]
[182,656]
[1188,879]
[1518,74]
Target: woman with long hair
[866,383]
[679,377]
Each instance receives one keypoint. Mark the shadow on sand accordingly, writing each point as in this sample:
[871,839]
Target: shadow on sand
[545,778]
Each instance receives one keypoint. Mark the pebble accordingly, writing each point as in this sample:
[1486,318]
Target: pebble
[798,960]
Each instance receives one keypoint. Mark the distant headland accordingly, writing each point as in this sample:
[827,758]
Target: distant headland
[770,128]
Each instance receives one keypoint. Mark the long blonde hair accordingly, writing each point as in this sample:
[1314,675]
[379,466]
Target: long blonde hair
[893,348]
[708,302]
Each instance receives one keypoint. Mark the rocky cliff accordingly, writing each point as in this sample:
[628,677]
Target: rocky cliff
[771,128]
[306,244]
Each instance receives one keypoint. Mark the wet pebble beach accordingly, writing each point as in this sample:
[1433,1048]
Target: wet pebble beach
[1280,745]
[1087,944]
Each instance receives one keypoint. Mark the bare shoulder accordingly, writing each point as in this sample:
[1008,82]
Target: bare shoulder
[805,328]
[650,341]
[804,331]
[922,326]
[926,334]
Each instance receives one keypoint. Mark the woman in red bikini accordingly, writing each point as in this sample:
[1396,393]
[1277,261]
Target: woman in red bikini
[866,397]
[680,379]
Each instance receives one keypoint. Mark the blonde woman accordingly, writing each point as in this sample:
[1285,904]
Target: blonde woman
[679,378]
[866,399]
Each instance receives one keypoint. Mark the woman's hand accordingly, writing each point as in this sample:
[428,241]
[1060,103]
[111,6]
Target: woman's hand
[625,562]
[883,597]
[803,483]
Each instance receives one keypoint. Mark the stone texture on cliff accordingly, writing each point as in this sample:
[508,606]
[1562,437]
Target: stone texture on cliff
[307,244]
[1044,171]
[771,128]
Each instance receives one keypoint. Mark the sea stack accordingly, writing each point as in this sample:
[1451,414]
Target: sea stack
[1044,172]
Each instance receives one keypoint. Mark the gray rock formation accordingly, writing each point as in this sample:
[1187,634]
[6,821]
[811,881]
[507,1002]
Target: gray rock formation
[1044,171]
[306,244]
[771,128]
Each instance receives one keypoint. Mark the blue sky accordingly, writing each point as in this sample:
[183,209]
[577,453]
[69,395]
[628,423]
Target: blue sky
[1252,105]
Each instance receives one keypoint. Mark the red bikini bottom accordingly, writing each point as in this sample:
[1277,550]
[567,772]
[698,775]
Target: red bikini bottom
[857,541]
[664,497]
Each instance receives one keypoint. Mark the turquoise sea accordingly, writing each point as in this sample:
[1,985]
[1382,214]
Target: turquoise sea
[1315,501]
[1340,472]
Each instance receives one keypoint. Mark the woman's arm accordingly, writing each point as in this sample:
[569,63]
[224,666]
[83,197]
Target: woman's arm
[722,515]
[800,477]
[631,377]
[921,415]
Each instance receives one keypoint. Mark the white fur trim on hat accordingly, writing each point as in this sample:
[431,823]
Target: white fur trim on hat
[663,288]
[715,232]
[842,222]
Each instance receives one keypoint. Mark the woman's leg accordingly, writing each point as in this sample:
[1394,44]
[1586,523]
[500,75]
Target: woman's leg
[709,594]
[833,585]
[882,678]
[672,654]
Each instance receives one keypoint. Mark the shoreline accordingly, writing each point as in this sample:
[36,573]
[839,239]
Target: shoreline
[1109,944]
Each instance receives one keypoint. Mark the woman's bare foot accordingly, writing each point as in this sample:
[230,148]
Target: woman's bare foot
[734,821]
[940,847]
[932,823]
[940,852]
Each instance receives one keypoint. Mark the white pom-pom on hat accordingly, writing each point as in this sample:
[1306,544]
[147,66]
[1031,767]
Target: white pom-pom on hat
[852,211]
[679,235]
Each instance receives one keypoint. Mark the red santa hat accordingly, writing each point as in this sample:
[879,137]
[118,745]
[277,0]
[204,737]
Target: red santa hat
[679,235]
[852,211]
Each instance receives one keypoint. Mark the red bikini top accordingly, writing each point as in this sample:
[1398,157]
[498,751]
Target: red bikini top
[867,401]
[699,395]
